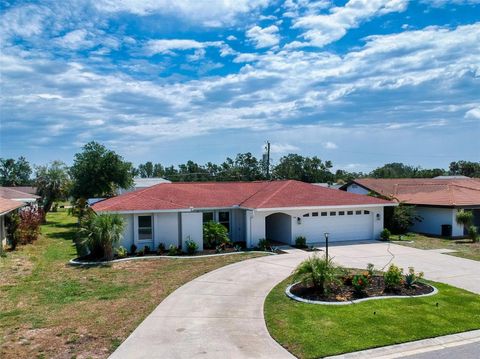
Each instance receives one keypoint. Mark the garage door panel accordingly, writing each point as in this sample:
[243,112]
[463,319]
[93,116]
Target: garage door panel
[340,228]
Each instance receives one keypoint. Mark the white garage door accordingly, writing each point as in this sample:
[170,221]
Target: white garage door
[341,226]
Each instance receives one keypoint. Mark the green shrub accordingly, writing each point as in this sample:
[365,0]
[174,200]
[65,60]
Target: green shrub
[146,249]
[370,269]
[161,248]
[121,252]
[191,247]
[214,234]
[219,249]
[464,218]
[385,234]
[359,283]
[263,244]
[393,277]
[473,233]
[402,218]
[411,278]
[141,252]
[173,250]
[133,249]
[301,242]
[237,248]
[319,272]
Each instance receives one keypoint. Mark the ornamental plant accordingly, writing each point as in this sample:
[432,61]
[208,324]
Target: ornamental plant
[29,226]
[393,277]
[370,269]
[300,241]
[385,234]
[319,272]
[121,252]
[359,283]
[191,247]
[214,234]
[412,278]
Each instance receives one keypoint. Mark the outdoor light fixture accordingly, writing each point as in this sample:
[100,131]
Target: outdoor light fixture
[326,234]
[378,216]
[299,220]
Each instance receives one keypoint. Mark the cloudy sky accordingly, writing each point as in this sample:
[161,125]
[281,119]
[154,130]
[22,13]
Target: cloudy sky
[359,82]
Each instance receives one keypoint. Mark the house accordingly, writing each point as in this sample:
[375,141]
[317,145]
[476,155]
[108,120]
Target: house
[172,213]
[141,183]
[437,200]
[6,206]
[16,195]
[25,189]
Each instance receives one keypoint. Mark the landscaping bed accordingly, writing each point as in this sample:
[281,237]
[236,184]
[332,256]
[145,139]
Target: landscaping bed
[345,291]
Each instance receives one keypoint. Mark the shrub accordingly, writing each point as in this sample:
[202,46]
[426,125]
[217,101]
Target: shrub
[385,234]
[473,233]
[370,269]
[393,277]
[161,248]
[173,250]
[219,249]
[12,221]
[263,244]
[214,234]
[29,226]
[301,242]
[402,218]
[141,252]
[464,218]
[359,283]
[192,247]
[237,248]
[121,252]
[100,232]
[146,249]
[411,278]
[320,272]
[133,249]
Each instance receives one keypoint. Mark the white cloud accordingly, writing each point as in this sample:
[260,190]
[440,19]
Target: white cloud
[76,39]
[266,37]
[280,148]
[330,145]
[473,114]
[231,38]
[324,29]
[442,3]
[167,46]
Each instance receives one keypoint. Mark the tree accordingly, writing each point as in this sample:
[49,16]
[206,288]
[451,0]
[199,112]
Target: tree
[99,172]
[465,168]
[14,173]
[394,170]
[401,218]
[52,183]
[146,170]
[305,169]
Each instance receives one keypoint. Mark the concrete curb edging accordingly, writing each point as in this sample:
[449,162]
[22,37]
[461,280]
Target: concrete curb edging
[77,262]
[299,299]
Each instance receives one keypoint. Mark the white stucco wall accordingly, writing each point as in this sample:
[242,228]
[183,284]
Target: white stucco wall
[192,228]
[166,229]
[433,218]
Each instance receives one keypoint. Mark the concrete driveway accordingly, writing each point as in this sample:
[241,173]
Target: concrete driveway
[220,314]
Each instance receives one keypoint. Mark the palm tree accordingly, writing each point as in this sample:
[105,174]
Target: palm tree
[101,232]
[320,272]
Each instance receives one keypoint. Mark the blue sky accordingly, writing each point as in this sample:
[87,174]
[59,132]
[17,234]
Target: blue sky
[359,82]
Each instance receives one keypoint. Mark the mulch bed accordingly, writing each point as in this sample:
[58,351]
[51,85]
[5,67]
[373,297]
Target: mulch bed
[345,291]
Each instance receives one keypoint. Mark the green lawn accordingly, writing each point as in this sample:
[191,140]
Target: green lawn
[313,331]
[50,309]
[465,247]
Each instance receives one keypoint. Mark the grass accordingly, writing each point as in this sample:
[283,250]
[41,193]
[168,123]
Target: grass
[465,247]
[50,309]
[313,331]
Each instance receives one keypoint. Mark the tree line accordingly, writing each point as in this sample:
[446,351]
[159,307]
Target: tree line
[99,172]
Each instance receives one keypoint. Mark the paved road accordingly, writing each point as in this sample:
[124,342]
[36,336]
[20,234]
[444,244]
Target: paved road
[220,314]
[468,351]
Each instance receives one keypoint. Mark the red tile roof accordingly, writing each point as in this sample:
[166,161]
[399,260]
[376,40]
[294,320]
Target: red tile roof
[420,191]
[8,205]
[13,193]
[260,194]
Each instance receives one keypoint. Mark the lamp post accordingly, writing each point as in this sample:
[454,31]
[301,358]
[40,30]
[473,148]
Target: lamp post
[326,243]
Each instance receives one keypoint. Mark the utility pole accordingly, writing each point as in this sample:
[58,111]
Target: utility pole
[267,147]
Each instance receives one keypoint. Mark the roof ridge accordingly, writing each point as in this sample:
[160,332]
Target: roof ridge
[274,193]
[256,192]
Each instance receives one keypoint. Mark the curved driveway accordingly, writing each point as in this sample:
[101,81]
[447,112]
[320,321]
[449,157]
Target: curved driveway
[220,314]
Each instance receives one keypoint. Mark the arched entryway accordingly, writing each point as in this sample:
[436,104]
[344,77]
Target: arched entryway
[278,228]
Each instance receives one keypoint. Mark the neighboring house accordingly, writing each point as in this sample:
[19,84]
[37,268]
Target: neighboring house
[141,183]
[328,185]
[437,200]
[16,195]
[25,189]
[277,210]
[6,206]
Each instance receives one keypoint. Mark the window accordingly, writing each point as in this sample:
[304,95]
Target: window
[366,212]
[333,213]
[314,214]
[145,228]
[224,218]
[306,215]
[350,213]
[358,212]
[341,213]
[207,217]
[324,214]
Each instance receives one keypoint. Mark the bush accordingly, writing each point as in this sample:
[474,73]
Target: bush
[133,249]
[141,252]
[173,250]
[301,242]
[29,226]
[359,283]
[121,252]
[146,249]
[411,278]
[385,234]
[464,218]
[402,218]
[263,244]
[237,248]
[219,249]
[12,221]
[393,277]
[100,232]
[214,234]
[161,248]
[191,247]
[473,233]
[370,269]
[320,272]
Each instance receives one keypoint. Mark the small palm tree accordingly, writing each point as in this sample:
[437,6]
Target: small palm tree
[319,272]
[101,232]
